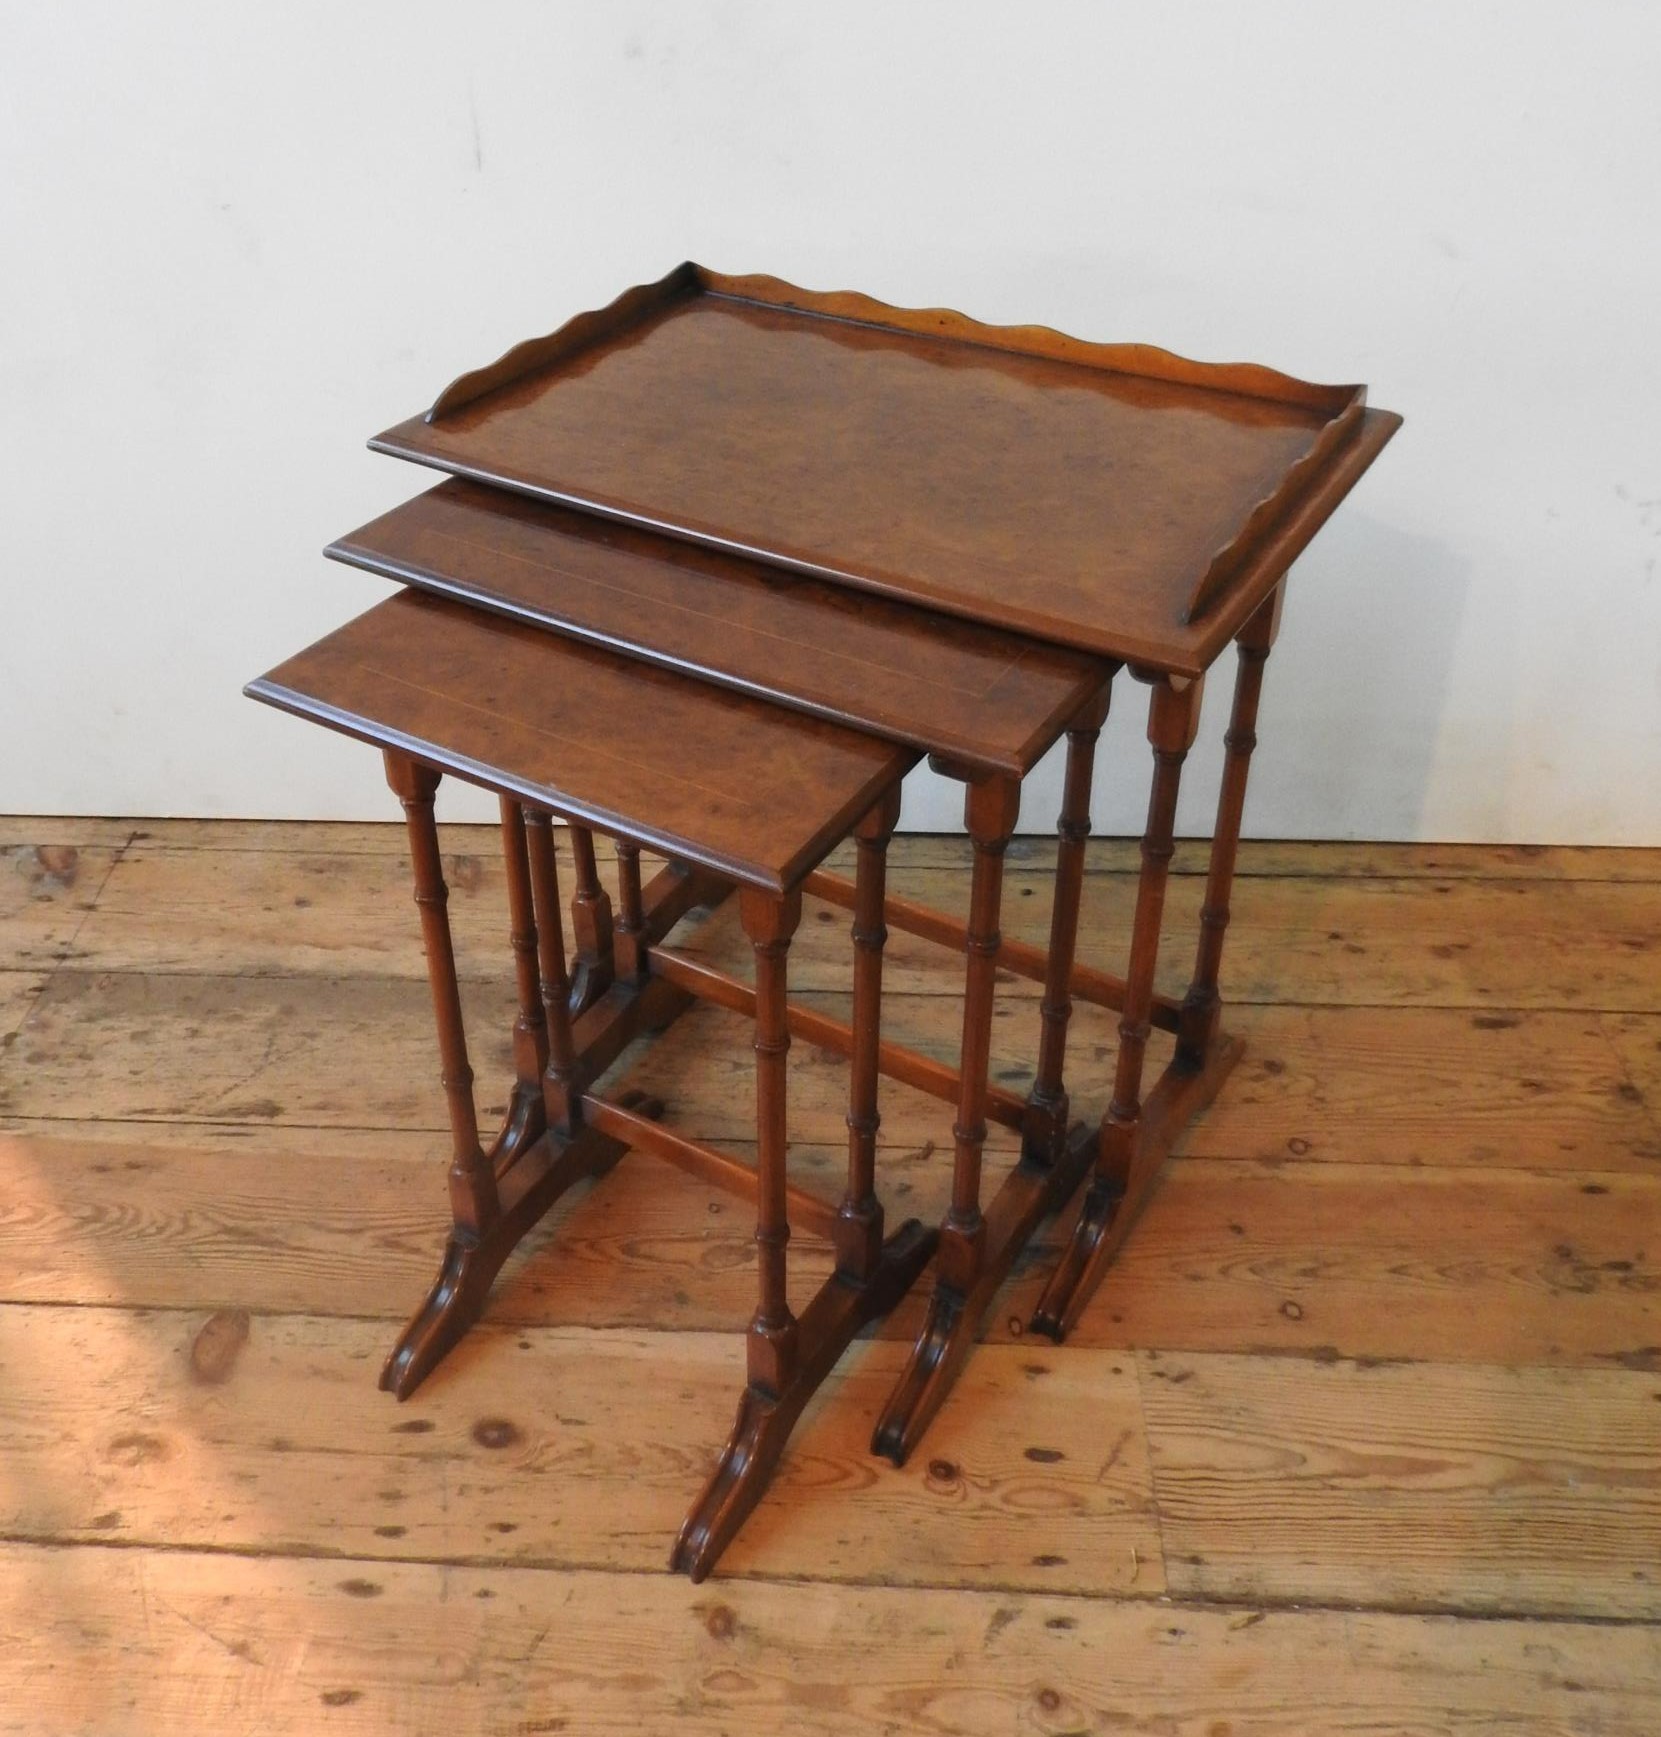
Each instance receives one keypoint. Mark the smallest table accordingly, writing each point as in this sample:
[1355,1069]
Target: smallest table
[731,789]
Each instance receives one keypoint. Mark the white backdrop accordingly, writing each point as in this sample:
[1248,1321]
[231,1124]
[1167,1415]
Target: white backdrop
[235,240]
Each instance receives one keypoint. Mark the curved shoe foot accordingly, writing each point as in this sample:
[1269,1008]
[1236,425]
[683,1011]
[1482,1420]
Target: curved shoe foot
[527,1122]
[837,1313]
[452,1306]
[742,1473]
[936,1360]
[1116,1196]
[542,1171]
[1029,1192]
[1089,1249]
[590,979]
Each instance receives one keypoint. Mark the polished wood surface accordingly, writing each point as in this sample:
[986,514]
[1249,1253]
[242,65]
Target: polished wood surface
[1107,497]
[860,1219]
[990,700]
[1135,1137]
[990,811]
[712,777]
[473,1201]
[428,678]
[1202,1006]
[1045,1132]
[922,1073]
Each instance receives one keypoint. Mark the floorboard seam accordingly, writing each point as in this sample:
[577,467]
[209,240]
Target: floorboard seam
[57,962]
[487,1329]
[1166,1601]
[804,996]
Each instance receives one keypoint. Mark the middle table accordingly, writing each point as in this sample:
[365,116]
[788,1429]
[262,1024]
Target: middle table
[985,704]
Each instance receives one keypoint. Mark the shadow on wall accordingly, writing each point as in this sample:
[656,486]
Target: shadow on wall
[1358,690]
[1352,714]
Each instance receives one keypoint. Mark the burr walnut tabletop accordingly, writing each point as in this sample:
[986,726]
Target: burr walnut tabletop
[1110,497]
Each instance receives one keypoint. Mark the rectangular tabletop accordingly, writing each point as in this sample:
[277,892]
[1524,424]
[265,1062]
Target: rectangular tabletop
[694,771]
[985,699]
[1113,498]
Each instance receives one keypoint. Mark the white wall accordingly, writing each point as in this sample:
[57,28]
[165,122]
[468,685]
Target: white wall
[235,240]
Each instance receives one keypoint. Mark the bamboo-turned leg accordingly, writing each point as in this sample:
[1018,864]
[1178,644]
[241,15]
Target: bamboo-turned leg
[474,1205]
[859,1221]
[1202,1007]
[1045,1135]
[629,944]
[473,1202]
[590,925]
[771,1345]
[990,810]
[560,1087]
[526,1117]
[786,1357]
[496,1200]
[771,1348]
[1114,1193]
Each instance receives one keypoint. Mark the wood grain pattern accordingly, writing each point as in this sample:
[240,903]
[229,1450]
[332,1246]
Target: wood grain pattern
[1561,1091]
[1564,1091]
[1335,1260]
[78,830]
[134,1642]
[1302,1259]
[1384,1339]
[991,700]
[325,911]
[1494,946]
[1427,1486]
[1455,1488]
[261,1434]
[1436,943]
[253,1050]
[19,990]
[1637,1043]
[341,1224]
[1327,859]
[46,891]
[721,780]
[1104,497]
[1392,1086]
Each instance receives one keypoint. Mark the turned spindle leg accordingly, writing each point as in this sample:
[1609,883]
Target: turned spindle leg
[590,924]
[560,1087]
[473,1200]
[1044,1136]
[470,1261]
[497,1199]
[526,1118]
[629,946]
[859,1221]
[990,810]
[775,1395]
[770,923]
[1202,1006]
[1173,716]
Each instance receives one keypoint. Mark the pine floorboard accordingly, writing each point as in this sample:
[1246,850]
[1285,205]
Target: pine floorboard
[1362,1434]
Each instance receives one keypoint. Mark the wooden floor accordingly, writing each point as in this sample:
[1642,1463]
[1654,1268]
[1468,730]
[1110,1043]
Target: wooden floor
[1362,1435]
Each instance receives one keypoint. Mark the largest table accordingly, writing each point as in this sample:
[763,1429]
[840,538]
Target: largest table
[823,499]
